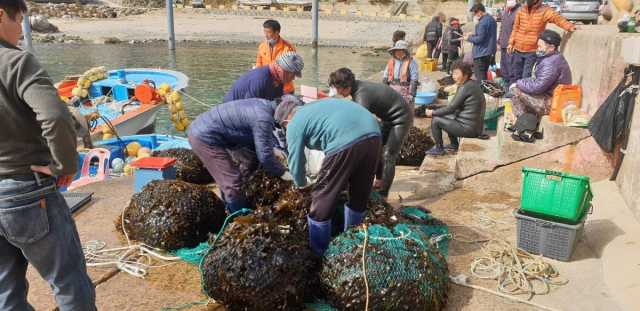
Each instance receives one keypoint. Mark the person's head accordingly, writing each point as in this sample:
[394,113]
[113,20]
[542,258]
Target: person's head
[11,20]
[271,30]
[637,14]
[548,41]
[400,49]
[461,72]
[478,10]
[455,24]
[343,81]
[398,35]
[441,17]
[288,66]
[511,3]
[286,109]
[531,3]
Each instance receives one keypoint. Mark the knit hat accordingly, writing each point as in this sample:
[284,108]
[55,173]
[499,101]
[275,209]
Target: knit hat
[284,107]
[291,62]
[551,37]
[455,21]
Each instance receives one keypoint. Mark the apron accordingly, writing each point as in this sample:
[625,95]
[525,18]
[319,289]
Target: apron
[404,91]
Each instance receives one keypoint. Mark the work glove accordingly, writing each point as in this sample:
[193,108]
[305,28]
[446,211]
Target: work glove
[280,155]
[307,186]
[287,176]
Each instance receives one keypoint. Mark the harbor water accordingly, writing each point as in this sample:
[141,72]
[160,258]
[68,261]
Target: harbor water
[211,68]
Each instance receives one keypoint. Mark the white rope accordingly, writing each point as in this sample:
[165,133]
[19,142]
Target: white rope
[487,222]
[133,259]
[197,101]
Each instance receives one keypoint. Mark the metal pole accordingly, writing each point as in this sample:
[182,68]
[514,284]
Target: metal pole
[314,23]
[172,37]
[26,29]
[470,4]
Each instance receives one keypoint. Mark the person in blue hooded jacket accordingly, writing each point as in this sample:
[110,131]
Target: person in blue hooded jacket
[349,136]
[232,126]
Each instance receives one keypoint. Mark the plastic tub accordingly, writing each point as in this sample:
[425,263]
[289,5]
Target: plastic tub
[424,98]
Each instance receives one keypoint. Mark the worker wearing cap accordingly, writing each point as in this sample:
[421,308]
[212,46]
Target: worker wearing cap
[533,95]
[267,82]
[240,124]
[349,136]
[273,47]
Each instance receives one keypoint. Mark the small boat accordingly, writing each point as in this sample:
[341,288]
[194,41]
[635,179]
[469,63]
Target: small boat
[256,2]
[302,3]
[116,147]
[113,98]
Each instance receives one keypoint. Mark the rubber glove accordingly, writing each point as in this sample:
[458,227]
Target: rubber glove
[308,185]
[281,156]
[286,176]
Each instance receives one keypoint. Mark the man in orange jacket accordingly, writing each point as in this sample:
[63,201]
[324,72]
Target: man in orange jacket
[531,21]
[273,47]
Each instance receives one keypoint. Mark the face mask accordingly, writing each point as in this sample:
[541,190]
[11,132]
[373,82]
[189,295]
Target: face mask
[272,41]
[542,53]
[531,3]
[511,4]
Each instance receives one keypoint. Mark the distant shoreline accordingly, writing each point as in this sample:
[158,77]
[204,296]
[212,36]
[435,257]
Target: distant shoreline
[202,27]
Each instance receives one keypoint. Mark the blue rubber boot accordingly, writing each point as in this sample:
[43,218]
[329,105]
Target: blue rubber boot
[236,206]
[351,218]
[453,145]
[319,235]
[437,150]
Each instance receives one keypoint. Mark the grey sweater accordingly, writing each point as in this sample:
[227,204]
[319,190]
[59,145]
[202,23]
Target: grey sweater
[37,127]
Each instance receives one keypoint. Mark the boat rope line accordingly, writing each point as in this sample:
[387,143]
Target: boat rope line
[185,94]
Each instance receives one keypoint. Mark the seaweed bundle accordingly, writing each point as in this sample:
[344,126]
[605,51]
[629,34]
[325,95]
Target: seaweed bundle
[189,168]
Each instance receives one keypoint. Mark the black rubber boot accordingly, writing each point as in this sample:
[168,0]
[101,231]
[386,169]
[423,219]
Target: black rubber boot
[437,150]
[454,143]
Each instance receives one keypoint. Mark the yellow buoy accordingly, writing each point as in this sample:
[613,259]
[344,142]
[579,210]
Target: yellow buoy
[182,115]
[179,106]
[81,81]
[172,108]
[77,91]
[107,136]
[179,127]
[168,100]
[100,76]
[174,117]
[185,122]
[162,93]
[128,170]
[88,73]
[165,87]
[132,148]
[175,97]
[64,98]
[87,83]
[93,78]
[102,68]
[106,130]
[85,93]
[144,150]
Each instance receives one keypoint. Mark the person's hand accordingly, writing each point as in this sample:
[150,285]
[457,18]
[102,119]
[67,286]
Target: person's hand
[63,181]
[308,185]
[411,98]
[286,176]
[280,155]
[429,113]
[575,28]
[512,85]
[510,49]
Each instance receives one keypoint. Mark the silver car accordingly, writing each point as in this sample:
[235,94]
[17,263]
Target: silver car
[554,4]
[585,11]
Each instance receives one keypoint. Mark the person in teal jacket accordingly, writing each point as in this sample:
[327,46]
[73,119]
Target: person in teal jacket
[349,136]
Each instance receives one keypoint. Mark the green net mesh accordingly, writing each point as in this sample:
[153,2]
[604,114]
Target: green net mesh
[403,271]
[192,255]
[319,306]
[416,218]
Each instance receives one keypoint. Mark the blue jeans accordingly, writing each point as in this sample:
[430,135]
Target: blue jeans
[36,228]
[523,64]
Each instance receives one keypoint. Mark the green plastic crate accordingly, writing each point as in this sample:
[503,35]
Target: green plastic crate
[555,196]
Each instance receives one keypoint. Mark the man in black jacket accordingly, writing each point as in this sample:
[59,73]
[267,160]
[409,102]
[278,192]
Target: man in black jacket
[432,35]
[386,104]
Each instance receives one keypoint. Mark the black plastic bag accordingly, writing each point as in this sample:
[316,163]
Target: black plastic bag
[607,124]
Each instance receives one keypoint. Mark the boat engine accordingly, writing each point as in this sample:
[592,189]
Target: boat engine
[147,94]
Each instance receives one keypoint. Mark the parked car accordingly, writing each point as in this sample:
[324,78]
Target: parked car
[554,4]
[585,11]
[197,3]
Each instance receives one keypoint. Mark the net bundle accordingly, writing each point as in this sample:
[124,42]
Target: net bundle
[171,215]
[403,272]
[189,168]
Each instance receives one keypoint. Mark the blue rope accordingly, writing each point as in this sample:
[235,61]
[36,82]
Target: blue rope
[194,303]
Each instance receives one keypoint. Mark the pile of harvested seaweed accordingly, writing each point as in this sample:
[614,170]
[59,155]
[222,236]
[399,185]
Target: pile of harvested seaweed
[261,261]
[264,189]
[444,82]
[171,215]
[414,147]
[188,167]
[403,272]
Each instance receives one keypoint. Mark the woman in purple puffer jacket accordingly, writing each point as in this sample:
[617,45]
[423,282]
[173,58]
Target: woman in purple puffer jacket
[533,95]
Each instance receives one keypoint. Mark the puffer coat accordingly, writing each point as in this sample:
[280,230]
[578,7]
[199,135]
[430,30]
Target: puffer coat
[530,24]
[551,70]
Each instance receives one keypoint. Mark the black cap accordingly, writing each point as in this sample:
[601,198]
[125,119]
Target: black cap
[551,37]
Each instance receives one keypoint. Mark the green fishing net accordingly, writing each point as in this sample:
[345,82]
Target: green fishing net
[403,271]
